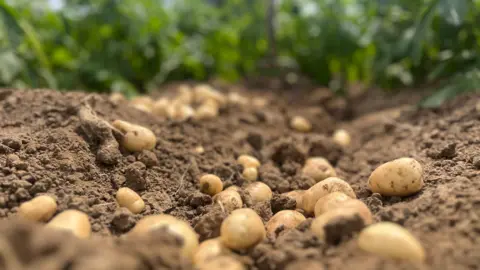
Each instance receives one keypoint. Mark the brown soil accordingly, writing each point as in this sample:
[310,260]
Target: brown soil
[49,144]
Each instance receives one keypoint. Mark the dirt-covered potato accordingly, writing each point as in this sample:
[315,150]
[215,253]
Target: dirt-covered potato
[40,208]
[341,215]
[284,220]
[391,240]
[173,225]
[130,199]
[160,107]
[72,221]
[208,250]
[222,263]
[142,103]
[250,174]
[180,112]
[230,199]
[330,202]
[205,92]
[259,192]
[297,195]
[323,188]
[242,229]
[399,177]
[248,161]
[135,138]
[318,168]
[210,184]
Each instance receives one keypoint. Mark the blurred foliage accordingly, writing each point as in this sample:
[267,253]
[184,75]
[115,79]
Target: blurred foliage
[131,45]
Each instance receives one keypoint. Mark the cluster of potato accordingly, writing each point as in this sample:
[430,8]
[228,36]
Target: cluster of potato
[201,102]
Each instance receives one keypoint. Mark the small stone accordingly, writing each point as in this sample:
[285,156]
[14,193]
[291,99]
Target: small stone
[197,199]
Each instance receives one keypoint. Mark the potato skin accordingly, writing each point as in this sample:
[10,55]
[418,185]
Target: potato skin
[399,177]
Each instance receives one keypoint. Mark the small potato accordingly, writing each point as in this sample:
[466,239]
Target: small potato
[40,208]
[390,240]
[147,102]
[318,168]
[297,195]
[180,112]
[242,229]
[235,98]
[301,124]
[222,263]
[399,177]
[185,95]
[160,107]
[142,107]
[259,192]
[136,138]
[250,174]
[208,250]
[73,221]
[230,199]
[234,187]
[207,110]
[330,202]
[286,219]
[116,97]
[199,150]
[205,92]
[319,223]
[210,184]
[248,161]
[259,102]
[342,137]
[130,199]
[175,226]
[323,188]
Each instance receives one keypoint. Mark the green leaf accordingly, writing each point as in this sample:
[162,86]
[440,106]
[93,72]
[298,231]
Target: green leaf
[10,19]
[421,31]
[454,11]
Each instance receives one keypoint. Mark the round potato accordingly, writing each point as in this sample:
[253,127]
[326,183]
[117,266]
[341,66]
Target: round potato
[399,177]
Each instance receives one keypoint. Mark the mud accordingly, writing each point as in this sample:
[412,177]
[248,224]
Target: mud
[62,144]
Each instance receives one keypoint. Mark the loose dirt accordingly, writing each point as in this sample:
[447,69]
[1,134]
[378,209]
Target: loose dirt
[48,146]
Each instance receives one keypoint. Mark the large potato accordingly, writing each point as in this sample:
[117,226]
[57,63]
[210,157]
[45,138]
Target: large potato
[399,177]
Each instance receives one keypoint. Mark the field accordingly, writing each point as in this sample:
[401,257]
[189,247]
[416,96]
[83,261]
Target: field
[47,146]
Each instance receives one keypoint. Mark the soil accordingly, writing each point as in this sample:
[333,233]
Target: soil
[57,143]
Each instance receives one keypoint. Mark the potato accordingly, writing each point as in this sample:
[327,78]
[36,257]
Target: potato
[342,137]
[230,199]
[323,188]
[130,199]
[318,224]
[330,202]
[208,110]
[259,192]
[40,208]
[72,221]
[286,219]
[160,107]
[248,161]
[185,95]
[318,168]
[205,92]
[180,112]
[143,101]
[208,250]
[250,174]
[390,240]
[242,229]
[222,263]
[135,138]
[301,124]
[117,97]
[210,184]
[173,225]
[235,98]
[399,177]
[360,207]
[297,195]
